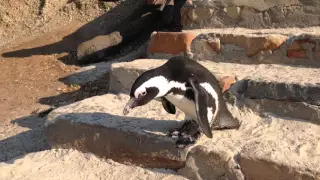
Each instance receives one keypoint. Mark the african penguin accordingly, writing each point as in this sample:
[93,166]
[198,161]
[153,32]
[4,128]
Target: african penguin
[183,83]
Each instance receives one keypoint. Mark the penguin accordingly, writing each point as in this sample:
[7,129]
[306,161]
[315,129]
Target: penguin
[187,85]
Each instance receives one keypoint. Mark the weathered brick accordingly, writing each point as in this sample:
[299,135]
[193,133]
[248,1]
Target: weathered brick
[300,44]
[170,42]
[298,53]
[226,82]
[254,45]
[215,45]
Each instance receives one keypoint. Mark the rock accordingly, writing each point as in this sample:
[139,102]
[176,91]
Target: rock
[233,11]
[282,91]
[96,46]
[139,138]
[170,42]
[267,164]
[200,14]
[215,44]
[72,164]
[299,110]
[211,163]
[252,18]
[205,48]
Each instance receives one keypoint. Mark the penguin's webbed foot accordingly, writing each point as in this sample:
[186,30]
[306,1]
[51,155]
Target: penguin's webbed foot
[187,134]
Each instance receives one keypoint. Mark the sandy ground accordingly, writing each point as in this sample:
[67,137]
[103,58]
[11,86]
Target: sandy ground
[38,58]
[57,164]
[31,72]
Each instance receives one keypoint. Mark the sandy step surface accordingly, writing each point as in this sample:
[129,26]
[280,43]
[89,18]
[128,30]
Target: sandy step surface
[61,164]
[266,147]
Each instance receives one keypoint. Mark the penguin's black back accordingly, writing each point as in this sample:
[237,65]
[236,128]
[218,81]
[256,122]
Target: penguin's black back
[181,68]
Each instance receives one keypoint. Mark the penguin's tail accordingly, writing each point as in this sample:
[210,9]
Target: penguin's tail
[225,120]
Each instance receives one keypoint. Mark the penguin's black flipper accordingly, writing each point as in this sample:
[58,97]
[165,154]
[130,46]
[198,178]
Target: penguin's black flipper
[202,99]
[168,106]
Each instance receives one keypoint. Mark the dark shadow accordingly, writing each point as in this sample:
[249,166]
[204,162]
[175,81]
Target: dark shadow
[35,140]
[32,140]
[100,26]
[87,90]
[125,139]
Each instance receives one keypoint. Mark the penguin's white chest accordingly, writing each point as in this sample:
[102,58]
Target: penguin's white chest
[184,104]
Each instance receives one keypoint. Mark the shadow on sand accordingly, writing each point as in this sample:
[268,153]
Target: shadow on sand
[100,26]
[34,140]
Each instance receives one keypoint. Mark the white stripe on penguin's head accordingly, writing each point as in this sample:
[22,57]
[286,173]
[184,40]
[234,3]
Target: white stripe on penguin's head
[161,83]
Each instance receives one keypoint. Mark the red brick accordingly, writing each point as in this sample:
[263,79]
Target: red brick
[170,42]
[294,46]
[298,44]
[299,53]
[226,82]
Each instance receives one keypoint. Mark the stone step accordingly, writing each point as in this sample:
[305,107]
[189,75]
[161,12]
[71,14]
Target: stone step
[270,88]
[97,125]
[250,14]
[237,45]
[61,164]
[263,148]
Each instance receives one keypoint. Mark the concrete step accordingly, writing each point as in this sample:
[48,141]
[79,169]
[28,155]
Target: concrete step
[238,45]
[263,148]
[61,164]
[250,14]
[282,90]
[139,138]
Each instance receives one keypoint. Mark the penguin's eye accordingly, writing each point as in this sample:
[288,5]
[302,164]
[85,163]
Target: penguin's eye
[144,93]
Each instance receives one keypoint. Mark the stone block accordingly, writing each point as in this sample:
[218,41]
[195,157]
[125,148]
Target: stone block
[233,11]
[199,14]
[97,125]
[170,42]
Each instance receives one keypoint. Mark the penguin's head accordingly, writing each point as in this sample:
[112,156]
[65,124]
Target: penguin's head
[148,86]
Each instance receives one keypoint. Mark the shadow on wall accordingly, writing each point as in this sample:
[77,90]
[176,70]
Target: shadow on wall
[100,26]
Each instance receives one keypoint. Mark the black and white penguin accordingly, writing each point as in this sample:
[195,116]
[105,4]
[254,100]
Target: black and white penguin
[183,83]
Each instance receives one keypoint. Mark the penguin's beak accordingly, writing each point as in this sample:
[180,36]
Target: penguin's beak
[132,103]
